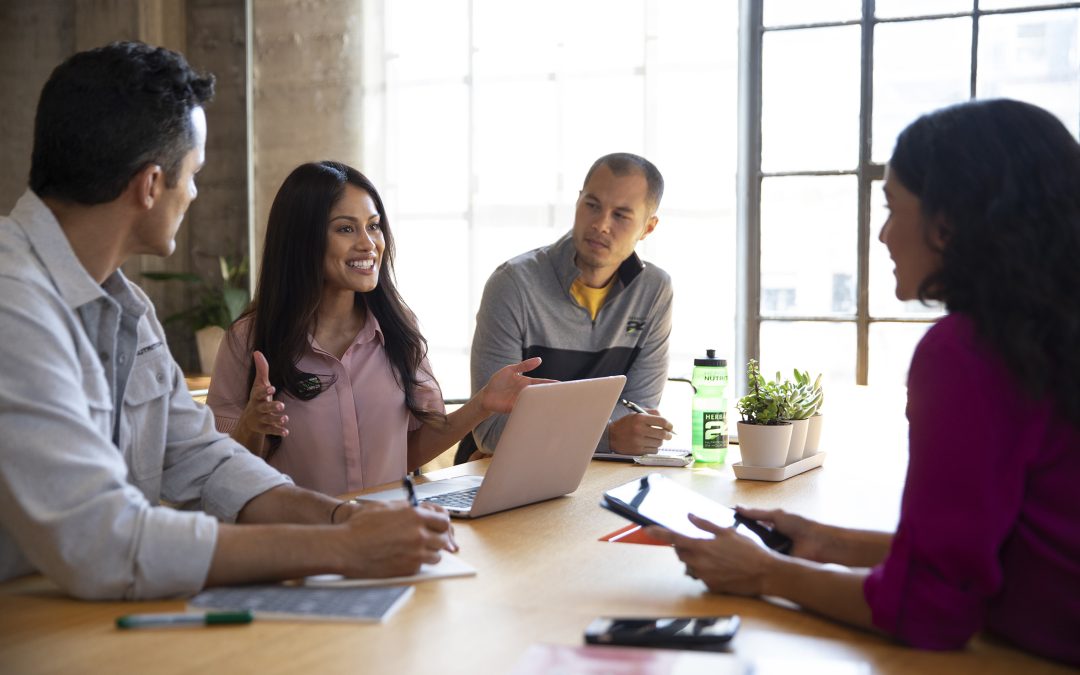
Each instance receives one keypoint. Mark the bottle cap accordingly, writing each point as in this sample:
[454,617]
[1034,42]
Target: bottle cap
[710,360]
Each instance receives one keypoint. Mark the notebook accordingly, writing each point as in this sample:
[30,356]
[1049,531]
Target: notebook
[367,604]
[542,454]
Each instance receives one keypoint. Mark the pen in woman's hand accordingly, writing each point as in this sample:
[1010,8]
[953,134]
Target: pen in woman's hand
[410,489]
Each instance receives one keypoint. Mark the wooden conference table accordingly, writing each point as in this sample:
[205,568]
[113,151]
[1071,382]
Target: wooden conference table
[542,576]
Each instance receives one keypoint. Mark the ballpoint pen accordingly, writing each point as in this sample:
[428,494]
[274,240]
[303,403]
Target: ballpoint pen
[410,489]
[184,619]
[638,409]
[633,406]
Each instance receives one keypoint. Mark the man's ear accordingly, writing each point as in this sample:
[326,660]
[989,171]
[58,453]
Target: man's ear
[650,225]
[146,186]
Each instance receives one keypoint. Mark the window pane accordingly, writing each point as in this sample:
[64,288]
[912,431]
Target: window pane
[430,149]
[553,88]
[819,347]
[429,280]
[891,348]
[910,81]
[516,142]
[1007,4]
[599,115]
[602,35]
[808,245]
[882,288]
[515,40]
[696,146]
[696,33]
[788,12]
[1033,57]
[698,254]
[451,367]
[427,40]
[897,8]
[810,99]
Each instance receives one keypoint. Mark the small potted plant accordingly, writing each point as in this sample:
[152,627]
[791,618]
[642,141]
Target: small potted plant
[764,432]
[803,399]
[813,429]
[215,308]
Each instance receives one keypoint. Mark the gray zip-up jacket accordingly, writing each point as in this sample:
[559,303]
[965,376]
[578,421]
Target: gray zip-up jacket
[527,310]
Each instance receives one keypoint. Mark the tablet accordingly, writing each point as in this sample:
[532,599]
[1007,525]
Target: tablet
[657,500]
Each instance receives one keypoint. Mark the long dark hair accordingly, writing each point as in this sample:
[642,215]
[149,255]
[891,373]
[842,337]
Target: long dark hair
[291,281]
[1004,178]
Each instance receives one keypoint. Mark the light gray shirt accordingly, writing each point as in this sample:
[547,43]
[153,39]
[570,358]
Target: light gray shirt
[97,429]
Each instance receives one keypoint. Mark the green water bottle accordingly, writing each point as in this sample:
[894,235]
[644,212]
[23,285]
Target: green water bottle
[709,428]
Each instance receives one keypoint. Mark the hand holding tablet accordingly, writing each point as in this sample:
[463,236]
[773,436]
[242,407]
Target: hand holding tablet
[657,500]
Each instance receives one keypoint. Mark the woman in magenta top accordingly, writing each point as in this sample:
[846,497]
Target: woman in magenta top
[326,375]
[984,202]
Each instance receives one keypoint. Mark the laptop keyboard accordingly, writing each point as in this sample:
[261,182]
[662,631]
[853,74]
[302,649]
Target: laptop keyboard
[462,499]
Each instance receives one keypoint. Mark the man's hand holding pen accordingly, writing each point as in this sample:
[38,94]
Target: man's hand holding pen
[412,533]
[638,434]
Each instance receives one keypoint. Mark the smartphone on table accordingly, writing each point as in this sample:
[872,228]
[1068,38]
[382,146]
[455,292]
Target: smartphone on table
[687,632]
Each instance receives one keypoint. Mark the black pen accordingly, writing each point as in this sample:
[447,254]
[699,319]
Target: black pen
[407,483]
[638,409]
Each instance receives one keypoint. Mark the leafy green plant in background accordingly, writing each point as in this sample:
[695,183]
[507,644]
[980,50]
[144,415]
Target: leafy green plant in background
[215,305]
[765,402]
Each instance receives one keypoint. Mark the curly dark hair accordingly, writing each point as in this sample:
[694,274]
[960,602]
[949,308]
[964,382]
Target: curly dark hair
[291,280]
[1004,176]
[106,113]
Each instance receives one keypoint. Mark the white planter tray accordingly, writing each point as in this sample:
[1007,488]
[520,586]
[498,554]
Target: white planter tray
[781,472]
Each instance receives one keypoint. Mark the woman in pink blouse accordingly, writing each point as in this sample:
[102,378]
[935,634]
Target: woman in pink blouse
[984,202]
[326,375]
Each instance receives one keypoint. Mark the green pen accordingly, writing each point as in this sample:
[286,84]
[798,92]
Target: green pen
[184,619]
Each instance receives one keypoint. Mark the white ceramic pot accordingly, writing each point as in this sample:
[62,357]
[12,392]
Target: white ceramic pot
[208,340]
[798,440]
[764,444]
[813,435]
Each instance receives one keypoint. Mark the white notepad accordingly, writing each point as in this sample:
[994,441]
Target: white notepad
[449,566]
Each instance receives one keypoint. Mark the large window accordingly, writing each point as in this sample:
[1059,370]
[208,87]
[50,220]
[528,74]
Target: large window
[828,87]
[481,118]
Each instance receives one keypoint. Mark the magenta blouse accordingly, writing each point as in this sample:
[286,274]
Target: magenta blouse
[989,532]
[351,436]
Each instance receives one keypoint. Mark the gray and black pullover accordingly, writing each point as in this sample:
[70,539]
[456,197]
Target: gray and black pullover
[527,310]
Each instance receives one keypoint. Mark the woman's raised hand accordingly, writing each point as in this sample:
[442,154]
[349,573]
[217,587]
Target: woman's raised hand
[501,391]
[263,415]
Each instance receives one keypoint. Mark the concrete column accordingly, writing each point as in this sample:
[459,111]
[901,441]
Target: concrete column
[307,91]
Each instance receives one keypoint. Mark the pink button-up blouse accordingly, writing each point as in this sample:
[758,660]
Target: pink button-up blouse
[351,436]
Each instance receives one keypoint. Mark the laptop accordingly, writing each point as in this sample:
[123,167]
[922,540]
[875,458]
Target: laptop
[543,452]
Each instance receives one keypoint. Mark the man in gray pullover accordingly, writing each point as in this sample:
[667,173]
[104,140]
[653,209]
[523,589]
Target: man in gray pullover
[588,306]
